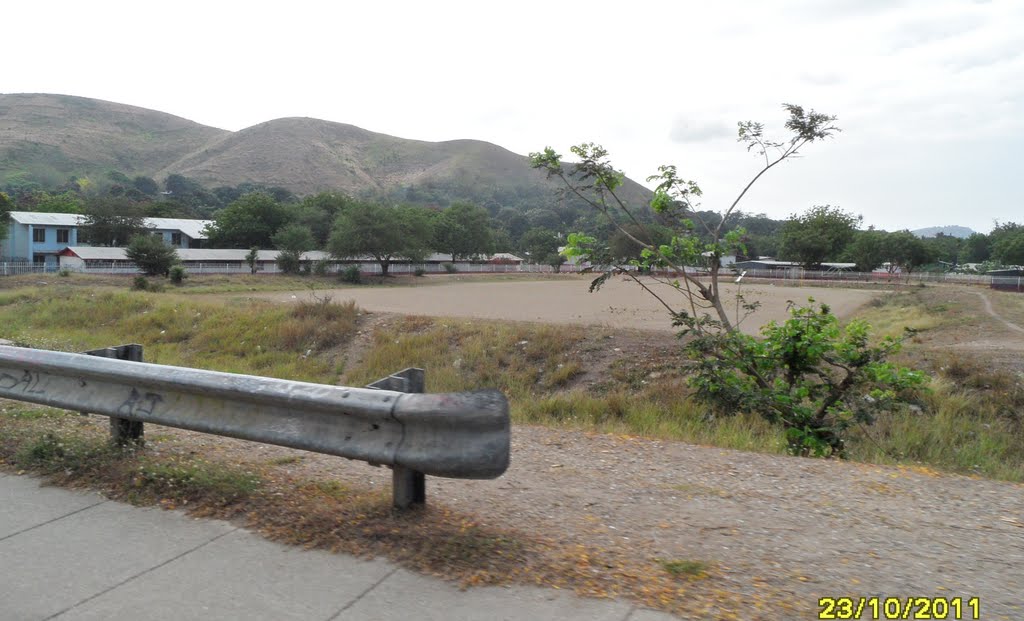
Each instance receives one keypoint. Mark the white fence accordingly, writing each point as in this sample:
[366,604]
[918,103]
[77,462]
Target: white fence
[128,268]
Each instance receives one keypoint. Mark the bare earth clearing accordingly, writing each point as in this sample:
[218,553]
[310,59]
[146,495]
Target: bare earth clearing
[566,301]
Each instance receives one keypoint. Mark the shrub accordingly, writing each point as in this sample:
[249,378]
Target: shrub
[64,272]
[289,262]
[321,267]
[807,374]
[450,268]
[151,254]
[419,271]
[351,275]
[178,274]
[140,283]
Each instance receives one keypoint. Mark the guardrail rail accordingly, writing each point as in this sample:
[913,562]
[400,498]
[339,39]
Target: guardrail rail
[456,435]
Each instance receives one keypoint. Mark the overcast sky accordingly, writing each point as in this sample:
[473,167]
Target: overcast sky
[929,93]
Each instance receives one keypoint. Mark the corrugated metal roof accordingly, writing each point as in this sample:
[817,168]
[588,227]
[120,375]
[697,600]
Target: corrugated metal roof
[192,228]
[195,255]
[53,219]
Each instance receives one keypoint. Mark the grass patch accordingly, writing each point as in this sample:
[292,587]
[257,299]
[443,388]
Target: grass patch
[258,338]
[685,569]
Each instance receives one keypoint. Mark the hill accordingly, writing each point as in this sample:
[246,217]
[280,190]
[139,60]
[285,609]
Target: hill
[48,138]
[951,231]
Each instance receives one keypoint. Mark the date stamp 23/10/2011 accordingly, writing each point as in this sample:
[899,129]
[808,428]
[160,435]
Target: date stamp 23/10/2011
[884,608]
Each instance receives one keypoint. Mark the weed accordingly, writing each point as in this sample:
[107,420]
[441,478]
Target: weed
[685,569]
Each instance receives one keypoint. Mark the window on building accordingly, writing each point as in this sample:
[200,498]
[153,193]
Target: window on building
[39,259]
[176,239]
[63,236]
[38,235]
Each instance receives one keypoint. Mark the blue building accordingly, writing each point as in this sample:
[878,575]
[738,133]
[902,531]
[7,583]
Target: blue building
[38,237]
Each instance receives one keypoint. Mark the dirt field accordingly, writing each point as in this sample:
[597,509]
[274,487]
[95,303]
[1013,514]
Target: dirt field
[567,301]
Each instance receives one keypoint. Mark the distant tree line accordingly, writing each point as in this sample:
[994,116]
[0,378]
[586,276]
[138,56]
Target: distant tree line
[465,221]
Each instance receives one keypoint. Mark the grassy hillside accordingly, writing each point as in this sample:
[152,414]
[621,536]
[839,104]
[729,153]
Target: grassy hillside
[48,138]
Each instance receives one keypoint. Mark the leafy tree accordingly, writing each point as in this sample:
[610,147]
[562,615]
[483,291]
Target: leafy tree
[180,185]
[249,221]
[292,242]
[146,185]
[818,235]
[5,210]
[976,249]
[384,233]
[65,202]
[944,248]
[542,244]
[806,375]
[111,222]
[622,246]
[1008,248]
[867,250]
[906,252]
[463,230]
[319,211]
[252,257]
[595,181]
[151,254]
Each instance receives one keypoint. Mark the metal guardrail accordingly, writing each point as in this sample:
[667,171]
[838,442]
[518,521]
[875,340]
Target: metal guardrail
[455,435]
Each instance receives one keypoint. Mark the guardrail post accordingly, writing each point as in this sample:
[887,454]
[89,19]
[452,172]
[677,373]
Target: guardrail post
[409,487]
[123,431]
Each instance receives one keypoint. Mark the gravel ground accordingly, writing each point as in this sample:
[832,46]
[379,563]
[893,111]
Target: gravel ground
[774,528]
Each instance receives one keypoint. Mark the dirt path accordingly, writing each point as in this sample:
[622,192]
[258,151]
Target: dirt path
[991,311]
[619,303]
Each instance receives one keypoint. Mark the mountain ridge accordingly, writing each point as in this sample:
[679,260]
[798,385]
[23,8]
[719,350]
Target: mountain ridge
[49,138]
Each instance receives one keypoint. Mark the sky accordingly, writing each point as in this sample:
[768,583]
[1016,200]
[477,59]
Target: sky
[929,93]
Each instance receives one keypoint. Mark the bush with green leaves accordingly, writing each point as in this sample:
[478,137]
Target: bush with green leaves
[351,275]
[450,268]
[808,374]
[151,254]
[419,271]
[178,274]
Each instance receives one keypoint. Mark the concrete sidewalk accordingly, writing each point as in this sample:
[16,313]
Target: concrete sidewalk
[75,555]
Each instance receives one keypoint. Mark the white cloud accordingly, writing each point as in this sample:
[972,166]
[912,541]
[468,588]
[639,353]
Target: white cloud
[908,79]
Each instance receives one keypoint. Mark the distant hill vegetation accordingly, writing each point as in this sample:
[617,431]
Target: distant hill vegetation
[47,139]
[950,231]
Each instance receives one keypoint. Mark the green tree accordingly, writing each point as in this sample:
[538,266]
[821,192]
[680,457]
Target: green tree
[111,222]
[65,202]
[867,250]
[319,211]
[384,233]
[463,230]
[905,252]
[944,248]
[292,241]
[622,246]
[146,185]
[1009,246]
[151,254]
[252,258]
[249,221]
[5,210]
[594,181]
[542,245]
[806,374]
[819,234]
[976,249]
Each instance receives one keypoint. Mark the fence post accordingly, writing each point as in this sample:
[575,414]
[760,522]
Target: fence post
[123,431]
[409,487]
